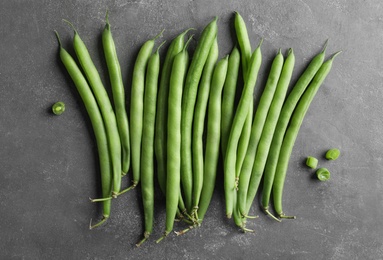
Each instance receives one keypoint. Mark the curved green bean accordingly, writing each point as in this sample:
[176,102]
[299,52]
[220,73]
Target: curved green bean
[268,129]
[173,162]
[188,103]
[257,127]
[160,138]
[106,109]
[199,122]
[147,150]
[292,132]
[228,98]
[236,129]
[213,135]
[283,121]
[97,125]
[136,106]
[118,94]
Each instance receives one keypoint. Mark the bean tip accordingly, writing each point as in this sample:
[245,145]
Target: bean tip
[325,46]
[71,25]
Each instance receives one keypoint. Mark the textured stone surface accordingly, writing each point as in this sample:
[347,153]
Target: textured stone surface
[49,164]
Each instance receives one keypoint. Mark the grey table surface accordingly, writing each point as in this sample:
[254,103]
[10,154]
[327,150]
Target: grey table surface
[49,164]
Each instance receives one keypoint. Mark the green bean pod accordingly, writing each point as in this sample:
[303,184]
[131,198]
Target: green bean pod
[173,161]
[188,103]
[136,106]
[97,125]
[236,129]
[245,47]
[292,132]
[106,109]
[213,135]
[147,150]
[118,94]
[160,138]
[199,123]
[268,130]
[283,121]
[257,127]
[228,98]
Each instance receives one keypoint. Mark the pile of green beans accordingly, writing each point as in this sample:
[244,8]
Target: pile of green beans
[184,116]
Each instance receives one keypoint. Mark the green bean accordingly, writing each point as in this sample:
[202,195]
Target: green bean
[118,93]
[236,129]
[199,122]
[228,98]
[332,154]
[173,163]
[283,121]
[136,106]
[292,132]
[147,150]
[269,129]
[312,162]
[58,108]
[97,125]
[257,127]
[213,135]
[106,109]
[188,102]
[162,109]
[323,174]
[245,47]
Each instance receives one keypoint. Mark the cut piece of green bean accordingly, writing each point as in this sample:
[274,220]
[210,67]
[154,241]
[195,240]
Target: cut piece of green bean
[332,154]
[323,174]
[312,162]
[58,108]
[292,133]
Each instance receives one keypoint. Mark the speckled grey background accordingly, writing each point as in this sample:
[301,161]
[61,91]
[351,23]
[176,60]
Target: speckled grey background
[48,164]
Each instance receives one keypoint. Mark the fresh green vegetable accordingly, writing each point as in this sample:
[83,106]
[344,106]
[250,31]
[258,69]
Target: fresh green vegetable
[98,128]
[58,108]
[118,94]
[312,162]
[292,132]
[323,174]
[188,103]
[332,154]
[236,129]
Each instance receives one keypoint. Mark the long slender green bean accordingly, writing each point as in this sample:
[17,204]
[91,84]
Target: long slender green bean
[147,150]
[268,131]
[97,125]
[106,109]
[292,132]
[228,98]
[213,135]
[236,129]
[257,127]
[188,103]
[160,140]
[118,94]
[283,121]
[245,47]
[136,106]
[199,123]
[173,162]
